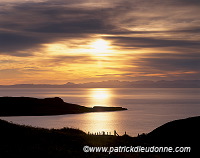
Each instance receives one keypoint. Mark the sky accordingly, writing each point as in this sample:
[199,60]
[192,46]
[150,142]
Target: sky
[56,41]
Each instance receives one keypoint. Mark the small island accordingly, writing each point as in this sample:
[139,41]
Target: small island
[27,106]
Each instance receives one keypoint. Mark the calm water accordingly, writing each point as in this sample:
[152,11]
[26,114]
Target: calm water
[148,108]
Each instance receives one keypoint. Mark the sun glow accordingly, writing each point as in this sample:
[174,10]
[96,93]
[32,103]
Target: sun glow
[100,47]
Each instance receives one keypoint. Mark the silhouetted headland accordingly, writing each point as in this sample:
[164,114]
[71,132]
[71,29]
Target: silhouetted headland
[26,106]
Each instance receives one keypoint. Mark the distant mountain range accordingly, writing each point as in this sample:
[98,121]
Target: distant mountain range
[116,84]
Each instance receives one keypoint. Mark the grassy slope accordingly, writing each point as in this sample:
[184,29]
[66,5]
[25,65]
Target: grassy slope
[24,141]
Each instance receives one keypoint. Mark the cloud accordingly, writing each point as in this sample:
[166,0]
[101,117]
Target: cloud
[46,21]
[164,35]
[150,42]
[63,60]
[29,25]
[14,43]
[171,64]
[160,66]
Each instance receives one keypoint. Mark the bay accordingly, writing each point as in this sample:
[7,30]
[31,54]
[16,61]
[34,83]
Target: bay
[148,108]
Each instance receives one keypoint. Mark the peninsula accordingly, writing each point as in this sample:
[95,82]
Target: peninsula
[27,106]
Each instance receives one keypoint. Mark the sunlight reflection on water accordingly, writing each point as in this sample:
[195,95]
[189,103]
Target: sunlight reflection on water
[100,96]
[147,108]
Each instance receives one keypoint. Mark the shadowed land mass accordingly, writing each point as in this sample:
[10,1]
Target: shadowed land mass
[26,141]
[26,106]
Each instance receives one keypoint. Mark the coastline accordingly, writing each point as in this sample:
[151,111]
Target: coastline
[28,106]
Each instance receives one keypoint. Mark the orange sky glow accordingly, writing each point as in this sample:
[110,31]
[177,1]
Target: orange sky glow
[54,42]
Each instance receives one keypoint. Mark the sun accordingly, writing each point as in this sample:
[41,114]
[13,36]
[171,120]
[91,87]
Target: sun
[100,46]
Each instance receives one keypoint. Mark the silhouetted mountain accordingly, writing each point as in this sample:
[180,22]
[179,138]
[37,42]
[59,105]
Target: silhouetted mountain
[25,106]
[116,84]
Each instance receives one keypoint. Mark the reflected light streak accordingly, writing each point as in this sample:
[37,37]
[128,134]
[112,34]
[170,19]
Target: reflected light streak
[100,96]
[102,121]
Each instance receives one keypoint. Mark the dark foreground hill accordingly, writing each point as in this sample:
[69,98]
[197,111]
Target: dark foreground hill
[24,141]
[26,106]
[178,133]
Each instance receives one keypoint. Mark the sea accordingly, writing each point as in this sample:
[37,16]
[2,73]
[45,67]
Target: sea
[148,108]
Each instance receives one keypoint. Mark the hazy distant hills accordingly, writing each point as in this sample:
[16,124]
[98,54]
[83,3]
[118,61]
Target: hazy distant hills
[116,84]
